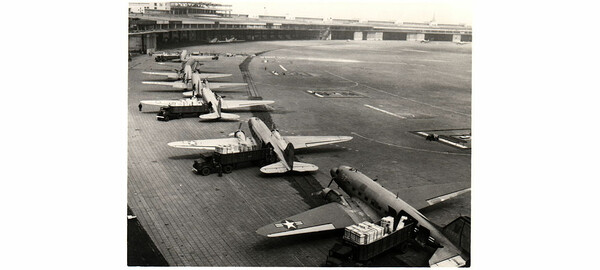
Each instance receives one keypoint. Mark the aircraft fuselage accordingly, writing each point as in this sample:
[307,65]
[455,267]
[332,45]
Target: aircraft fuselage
[384,202]
[261,132]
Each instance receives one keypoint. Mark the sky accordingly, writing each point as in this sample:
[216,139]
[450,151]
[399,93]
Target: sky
[446,11]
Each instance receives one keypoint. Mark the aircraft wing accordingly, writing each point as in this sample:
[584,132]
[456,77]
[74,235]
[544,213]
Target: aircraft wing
[310,141]
[424,196]
[330,216]
[178,85]
[213,85]
[209,144]
[169,74]
[232,104]
[213,75]
[161,103]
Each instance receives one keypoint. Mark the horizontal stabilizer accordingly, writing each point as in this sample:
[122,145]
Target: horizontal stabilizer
[224,116]
[278,167]
[304,167]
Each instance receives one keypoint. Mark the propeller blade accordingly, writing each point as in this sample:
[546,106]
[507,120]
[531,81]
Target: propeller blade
[330,182]
[240,127]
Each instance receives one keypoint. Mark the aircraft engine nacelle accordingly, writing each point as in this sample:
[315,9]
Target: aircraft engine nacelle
[276,134]
[240,135]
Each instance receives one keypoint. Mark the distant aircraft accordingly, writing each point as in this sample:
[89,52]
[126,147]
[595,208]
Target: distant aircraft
[283,146]
[215,104]
[425,41]
[369,201]
[460,43]
[227,40]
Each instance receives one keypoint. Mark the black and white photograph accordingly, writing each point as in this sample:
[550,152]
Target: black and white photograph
[272,134]
[299,134]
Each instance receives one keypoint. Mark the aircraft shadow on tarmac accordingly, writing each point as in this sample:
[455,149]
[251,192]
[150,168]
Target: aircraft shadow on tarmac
[191,156]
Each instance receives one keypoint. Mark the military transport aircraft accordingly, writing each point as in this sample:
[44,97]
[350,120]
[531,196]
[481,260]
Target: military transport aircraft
[283,146]
[215,104]
[211,85]
[185,75]
[369,201]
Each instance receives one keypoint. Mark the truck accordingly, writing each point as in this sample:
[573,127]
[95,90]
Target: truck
[176,112]
[225,163]
[348,253]
[164,58]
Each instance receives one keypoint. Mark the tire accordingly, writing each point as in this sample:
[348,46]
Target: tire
[166,118]
[227,169]
[205,171]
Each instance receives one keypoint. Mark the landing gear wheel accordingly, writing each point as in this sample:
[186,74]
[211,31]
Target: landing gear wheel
[205,171]
[166,118]
[227,169]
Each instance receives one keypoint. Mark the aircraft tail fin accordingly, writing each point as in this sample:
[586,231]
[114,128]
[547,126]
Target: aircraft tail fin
[288,154]
[183,55]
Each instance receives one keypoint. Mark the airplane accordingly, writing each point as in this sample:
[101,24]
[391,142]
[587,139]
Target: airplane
[215,104]
[227,40]
[369,201]
[211,85]
[425,41]
[185,75]
[283,146]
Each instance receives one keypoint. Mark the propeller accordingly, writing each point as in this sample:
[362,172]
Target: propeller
[239,129]
[330,182]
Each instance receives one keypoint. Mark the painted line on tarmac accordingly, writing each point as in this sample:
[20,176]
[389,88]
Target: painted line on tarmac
[410,148]
[398,96]
[282,68]
[411,50]
[445,141]
[384,111]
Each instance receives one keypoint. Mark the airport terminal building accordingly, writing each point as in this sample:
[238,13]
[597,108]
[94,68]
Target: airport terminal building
[158,25]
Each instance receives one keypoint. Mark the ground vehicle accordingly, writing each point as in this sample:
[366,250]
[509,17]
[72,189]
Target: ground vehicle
[176,112]
[347,253]
[164,58]
[225,163]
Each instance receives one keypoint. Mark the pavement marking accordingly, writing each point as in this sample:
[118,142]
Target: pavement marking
[384,111]
[282,68]
[410,148]
[412,50]
[398,96]
[445,141]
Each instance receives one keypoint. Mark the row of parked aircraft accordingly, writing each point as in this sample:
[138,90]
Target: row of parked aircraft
[366,200]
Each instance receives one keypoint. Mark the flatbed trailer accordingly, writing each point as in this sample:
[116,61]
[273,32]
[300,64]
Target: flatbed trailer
[225,163]
[348,253]
[176,112]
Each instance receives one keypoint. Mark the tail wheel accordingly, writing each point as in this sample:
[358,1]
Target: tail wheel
[205,171]
[227,169]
